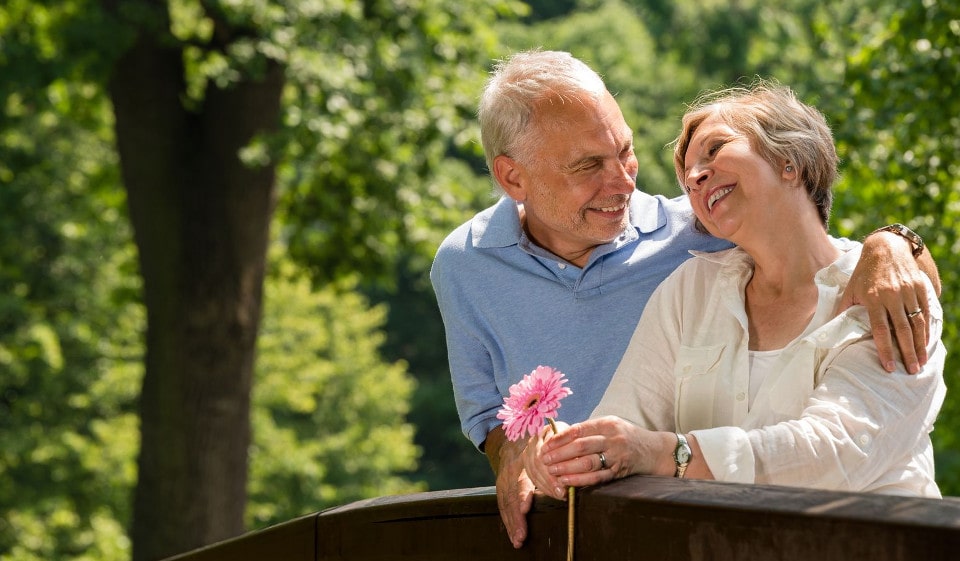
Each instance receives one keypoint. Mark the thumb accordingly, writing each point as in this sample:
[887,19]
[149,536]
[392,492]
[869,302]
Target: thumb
[845,302]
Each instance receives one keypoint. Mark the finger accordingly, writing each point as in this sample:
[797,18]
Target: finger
[918,323]
[882,336]
[573,451]
[539,474]
[562,438]
[591,427]
[587,478]
[846,301]
[515,501]
[924,306]
[905,335]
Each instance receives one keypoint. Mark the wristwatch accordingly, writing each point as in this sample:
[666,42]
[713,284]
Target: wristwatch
[681,455]
[899,229]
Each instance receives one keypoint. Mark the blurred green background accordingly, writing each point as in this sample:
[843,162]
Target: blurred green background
[351,397]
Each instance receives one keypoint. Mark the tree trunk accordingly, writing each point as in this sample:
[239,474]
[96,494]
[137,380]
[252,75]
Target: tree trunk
[201,224]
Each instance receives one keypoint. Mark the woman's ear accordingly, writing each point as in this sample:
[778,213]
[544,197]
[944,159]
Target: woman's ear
[789,172]
[508,174]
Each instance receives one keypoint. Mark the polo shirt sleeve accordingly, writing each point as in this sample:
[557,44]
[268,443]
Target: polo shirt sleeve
[471,369]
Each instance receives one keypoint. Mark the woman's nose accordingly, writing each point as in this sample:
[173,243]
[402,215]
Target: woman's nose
[696,179]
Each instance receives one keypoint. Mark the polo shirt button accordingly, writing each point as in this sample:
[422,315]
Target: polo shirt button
[562,265]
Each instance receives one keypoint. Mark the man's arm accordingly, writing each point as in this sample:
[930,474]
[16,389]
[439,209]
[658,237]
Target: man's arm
[514,488]
[888,281]
[929,268]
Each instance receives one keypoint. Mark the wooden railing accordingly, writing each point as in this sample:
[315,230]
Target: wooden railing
[637,518]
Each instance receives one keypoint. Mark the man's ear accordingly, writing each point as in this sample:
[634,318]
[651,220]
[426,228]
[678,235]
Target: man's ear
[507,172]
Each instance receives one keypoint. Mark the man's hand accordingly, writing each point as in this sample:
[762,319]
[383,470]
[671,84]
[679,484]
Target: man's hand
[514,488]
[890,284]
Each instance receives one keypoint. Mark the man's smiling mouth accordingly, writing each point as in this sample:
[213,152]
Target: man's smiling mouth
[617,208]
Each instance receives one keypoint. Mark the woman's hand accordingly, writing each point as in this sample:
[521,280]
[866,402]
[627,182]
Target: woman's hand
[597,451]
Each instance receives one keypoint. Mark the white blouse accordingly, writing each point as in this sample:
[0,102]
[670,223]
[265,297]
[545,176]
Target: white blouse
[825,415]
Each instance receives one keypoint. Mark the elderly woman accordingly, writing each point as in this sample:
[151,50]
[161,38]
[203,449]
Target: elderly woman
[739,369]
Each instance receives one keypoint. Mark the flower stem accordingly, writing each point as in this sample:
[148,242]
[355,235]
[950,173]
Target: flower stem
[570,506]
[570,511]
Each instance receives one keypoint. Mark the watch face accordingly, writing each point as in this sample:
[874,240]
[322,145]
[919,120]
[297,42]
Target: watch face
[683,454]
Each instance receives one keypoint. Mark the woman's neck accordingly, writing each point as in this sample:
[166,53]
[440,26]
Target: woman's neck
[781,296]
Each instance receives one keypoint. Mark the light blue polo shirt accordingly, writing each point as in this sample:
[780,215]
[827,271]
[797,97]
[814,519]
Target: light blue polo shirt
[509,306]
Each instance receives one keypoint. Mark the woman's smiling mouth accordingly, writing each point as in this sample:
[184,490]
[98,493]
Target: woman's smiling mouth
[717,195]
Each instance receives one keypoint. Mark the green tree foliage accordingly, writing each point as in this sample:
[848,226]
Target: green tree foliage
[414,328]
[69,319]
[371,111]
[899,132]
[329,415]
[374,92]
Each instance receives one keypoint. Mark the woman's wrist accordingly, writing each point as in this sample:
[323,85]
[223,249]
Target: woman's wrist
[666,462]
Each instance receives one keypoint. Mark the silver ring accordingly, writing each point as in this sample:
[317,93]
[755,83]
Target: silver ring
[914,313]
[603,460]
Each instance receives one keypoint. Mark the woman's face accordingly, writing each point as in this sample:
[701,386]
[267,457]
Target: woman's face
[729,184]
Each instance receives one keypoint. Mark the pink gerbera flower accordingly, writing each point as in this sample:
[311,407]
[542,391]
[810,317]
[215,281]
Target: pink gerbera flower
[532,400]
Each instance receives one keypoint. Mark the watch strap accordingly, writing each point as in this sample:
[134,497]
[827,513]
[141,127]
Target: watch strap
[899,229]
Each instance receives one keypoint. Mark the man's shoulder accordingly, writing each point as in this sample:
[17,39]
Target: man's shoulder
[495,226]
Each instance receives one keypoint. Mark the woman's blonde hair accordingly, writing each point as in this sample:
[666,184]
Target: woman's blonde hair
[778,126]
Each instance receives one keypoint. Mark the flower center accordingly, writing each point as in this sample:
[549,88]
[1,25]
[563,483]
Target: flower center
[534,400]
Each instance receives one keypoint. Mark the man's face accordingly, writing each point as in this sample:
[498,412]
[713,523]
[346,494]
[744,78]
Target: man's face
[576,182]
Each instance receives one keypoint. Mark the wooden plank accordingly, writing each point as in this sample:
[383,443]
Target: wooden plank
[443,525]
[662,518]
[638,518]
[294,540]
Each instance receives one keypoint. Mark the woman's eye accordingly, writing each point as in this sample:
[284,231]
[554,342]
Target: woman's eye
[714,148]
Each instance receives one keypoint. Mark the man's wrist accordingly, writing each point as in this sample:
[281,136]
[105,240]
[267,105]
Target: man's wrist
[492,447]
[916,242]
